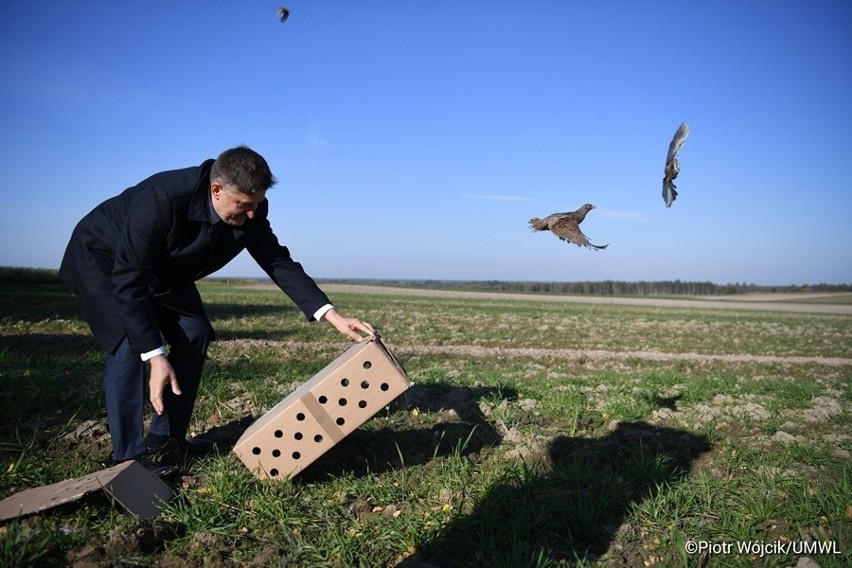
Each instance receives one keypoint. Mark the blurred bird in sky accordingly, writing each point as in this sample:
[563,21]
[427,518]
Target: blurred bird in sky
[672,165]
[566,226]
[283,13]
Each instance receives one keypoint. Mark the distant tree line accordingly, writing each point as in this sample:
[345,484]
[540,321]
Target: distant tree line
[600,288]
[24,275]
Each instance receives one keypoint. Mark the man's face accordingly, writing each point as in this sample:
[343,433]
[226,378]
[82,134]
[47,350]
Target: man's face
[234,206]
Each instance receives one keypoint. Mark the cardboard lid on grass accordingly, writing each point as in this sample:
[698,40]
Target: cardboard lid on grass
[134,487]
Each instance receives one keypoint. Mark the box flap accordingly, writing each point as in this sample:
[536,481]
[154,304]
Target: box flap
[134,487]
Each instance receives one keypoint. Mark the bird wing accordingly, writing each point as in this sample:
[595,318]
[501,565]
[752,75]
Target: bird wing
[672,166]
[567,229]
[675,145]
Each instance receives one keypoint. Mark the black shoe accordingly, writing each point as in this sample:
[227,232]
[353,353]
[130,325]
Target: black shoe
[162,471]
[199,446]
[156,443]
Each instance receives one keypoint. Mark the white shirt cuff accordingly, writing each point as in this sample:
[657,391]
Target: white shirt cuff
[321,312]
[153,353]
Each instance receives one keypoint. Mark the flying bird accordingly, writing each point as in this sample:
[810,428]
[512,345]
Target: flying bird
[672,165]
[283,13]
[566,226]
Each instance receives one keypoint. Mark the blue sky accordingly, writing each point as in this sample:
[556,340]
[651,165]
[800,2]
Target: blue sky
[415,140]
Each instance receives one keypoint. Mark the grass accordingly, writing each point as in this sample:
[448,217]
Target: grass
[588,450]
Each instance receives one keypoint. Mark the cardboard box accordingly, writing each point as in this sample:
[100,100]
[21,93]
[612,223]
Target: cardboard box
[322,411]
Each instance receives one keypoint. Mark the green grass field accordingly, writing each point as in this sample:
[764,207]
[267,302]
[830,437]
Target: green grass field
[536,434]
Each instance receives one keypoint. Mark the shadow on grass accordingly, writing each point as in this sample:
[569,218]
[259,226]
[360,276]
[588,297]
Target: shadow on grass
[43,348]
[44,378]
[37,301]
[570,508]
[369,451]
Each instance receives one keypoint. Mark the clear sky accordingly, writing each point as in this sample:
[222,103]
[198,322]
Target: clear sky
[414,140]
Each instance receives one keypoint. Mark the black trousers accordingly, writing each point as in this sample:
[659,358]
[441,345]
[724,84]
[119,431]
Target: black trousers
[187,332]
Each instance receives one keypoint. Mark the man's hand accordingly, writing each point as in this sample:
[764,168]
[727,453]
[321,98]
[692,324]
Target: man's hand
[348,326]
[162,374]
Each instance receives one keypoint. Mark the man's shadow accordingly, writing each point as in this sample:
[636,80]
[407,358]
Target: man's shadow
[370,450]
[571,507]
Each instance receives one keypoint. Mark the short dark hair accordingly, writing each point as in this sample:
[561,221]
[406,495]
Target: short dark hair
[244,169]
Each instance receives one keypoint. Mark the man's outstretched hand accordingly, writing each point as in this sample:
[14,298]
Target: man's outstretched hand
[350,327]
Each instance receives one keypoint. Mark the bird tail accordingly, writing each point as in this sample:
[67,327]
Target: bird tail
[669,192]
[537,224]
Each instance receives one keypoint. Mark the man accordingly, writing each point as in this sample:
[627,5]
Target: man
[133,262]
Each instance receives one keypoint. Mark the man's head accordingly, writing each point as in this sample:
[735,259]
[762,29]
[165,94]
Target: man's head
[243,169]
[239,179]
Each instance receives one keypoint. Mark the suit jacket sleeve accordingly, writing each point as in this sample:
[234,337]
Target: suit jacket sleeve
[287,274]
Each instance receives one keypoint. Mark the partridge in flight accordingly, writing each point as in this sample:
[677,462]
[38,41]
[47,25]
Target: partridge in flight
[566,226]
[672,165]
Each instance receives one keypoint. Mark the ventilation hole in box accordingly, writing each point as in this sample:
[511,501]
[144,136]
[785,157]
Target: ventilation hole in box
[273,473]
[365,384]
[298,435]
[276,453]
[322,399]
[300,416]
[344,382]
[385,386]
[318,438]
[367,364]
[342,402]
[296,455]
[279,434]
[255,451]
[340,421]
[362,404]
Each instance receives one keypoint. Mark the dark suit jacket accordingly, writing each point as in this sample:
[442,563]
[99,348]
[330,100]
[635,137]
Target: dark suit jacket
[148,245]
